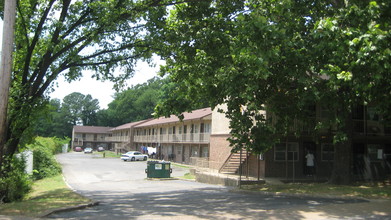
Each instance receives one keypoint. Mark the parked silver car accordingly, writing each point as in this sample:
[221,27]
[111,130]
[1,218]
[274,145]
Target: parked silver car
[133,155]
[88,150]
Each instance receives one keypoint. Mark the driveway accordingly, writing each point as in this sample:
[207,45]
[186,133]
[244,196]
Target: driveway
[124,193]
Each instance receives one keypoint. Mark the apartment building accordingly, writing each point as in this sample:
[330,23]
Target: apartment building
[122,136]
[201,139]
[183,141]
[371,146]
[91,136]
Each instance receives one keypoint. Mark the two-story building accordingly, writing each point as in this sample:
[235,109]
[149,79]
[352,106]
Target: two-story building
[91,136]
[177,140]
[201,139]
[371,146]
[122,137]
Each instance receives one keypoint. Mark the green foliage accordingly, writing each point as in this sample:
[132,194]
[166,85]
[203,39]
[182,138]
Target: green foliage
[54,38]
[47,194]
[14,183]
[44,164]
[80,109]
[57,119]
[52,121]
[285,55]
[138,102]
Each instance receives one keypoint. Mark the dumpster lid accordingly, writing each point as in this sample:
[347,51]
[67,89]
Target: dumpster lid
[157,162]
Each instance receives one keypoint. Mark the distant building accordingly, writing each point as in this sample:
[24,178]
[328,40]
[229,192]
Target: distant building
[91,136]
[122,137]
[183,141]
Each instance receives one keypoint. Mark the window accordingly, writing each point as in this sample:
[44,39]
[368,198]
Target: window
[194,151]
[375,152]
[279,151]
[207,128]
[293,151]
[327,152]
[205,151]
[286,151]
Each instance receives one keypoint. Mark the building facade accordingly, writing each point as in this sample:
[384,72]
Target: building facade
[91,136]
[183,141]
[371,149]
[200,139]
[122,137]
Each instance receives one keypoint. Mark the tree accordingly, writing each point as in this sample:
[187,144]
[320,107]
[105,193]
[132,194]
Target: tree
[134,104]
[89,108]
[280,56]
[66,37]
[79,109]
[52,122]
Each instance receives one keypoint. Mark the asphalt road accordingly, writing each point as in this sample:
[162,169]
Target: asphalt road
[124,193]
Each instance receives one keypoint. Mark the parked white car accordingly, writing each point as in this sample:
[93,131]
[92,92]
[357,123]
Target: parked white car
[88,150]
[133,155]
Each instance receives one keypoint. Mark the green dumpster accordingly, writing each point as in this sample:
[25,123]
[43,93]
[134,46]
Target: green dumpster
[158,169]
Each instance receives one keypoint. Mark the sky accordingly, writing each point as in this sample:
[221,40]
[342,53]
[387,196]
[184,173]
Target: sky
[103,91]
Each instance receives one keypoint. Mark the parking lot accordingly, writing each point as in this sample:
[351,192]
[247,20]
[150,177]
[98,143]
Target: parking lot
[124,192]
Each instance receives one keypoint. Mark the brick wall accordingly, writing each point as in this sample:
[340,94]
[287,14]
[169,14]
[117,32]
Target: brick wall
[219,151]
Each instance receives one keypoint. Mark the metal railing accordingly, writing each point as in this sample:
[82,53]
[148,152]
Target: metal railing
[175,138]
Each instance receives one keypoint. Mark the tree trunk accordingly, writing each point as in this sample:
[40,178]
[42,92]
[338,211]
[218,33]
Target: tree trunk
[342,168]
[343,156]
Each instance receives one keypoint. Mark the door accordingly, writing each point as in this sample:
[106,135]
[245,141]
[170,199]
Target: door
[309,148]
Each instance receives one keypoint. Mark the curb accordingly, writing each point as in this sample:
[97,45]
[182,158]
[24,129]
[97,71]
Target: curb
[72,208]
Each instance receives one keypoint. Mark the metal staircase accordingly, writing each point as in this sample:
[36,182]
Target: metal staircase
[233,162]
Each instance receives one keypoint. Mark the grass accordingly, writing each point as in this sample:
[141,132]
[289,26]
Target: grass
[188,176]
[180,165]
[108,154]
[47,194]
[363,190]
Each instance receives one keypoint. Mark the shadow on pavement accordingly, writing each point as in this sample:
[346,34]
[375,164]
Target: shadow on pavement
[212,203]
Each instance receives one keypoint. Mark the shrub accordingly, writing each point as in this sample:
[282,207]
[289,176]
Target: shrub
[44,163]
[15,183]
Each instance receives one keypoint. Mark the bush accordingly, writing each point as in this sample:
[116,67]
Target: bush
[44,163]
[15,183]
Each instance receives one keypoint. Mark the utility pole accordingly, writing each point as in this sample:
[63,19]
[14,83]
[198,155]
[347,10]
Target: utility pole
[6,68]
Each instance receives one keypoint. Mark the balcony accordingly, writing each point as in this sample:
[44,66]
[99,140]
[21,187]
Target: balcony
[175,138]
[118,139]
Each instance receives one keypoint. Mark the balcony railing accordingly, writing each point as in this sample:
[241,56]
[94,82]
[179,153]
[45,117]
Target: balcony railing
[175,138]
[118,139]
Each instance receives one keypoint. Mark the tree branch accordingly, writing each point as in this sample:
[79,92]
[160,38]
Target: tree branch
[34,43]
